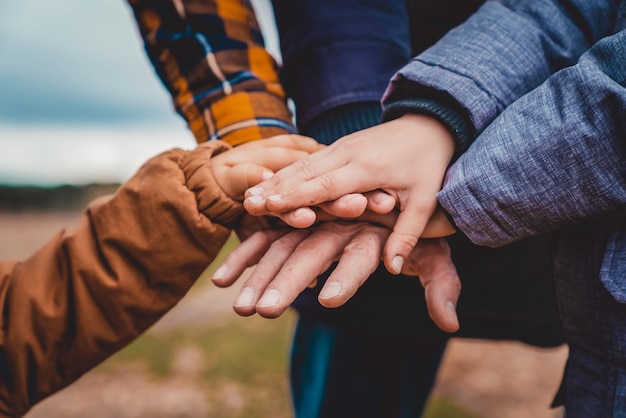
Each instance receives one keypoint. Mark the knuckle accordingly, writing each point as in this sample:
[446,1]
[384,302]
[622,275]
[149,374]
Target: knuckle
[404,240]
[303,169]
[326,183]
[288,242]
[367,247]
[315,240]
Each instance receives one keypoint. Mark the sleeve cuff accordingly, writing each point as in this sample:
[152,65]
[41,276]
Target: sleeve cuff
[242,117]
[211,199]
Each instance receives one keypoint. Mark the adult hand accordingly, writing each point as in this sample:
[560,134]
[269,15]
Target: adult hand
[289,262]
[406,158]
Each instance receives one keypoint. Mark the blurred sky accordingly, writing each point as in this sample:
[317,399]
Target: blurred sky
[79,101]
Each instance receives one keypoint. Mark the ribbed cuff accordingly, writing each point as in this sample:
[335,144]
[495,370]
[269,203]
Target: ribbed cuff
[343,120]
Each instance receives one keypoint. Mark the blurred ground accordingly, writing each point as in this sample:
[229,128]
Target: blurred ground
[202,360]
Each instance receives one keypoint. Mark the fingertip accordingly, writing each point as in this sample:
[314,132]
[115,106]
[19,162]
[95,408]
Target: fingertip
[220,277]
[244,304]
[393,259]
[397,249]
[331,295]
[267,174]
[245,298]
[254,191]
[254,205]
[396,264]
[450,326]
[270,313]
[380,202]
[299,218]
[452,318]
[241,311]
[443,314]
[219,283]
[352,205]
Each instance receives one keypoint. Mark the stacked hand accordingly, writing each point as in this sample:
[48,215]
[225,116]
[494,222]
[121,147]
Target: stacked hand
[288,262]
[360,176]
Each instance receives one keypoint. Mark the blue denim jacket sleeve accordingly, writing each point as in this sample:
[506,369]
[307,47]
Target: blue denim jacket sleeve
[556,156]
[503,51]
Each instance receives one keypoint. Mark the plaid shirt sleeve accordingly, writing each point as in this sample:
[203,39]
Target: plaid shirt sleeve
[210,56]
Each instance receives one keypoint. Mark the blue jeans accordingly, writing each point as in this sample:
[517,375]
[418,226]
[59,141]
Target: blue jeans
[337,373]
[380,359]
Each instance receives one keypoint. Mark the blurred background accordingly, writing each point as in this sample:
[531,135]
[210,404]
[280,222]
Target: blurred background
[79,101]
[80,110]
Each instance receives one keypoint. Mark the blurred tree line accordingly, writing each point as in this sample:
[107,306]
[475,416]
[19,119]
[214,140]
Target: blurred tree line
[59,198]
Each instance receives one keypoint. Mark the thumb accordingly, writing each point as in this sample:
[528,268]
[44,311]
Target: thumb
[442,293]
[431,261]
[406,232]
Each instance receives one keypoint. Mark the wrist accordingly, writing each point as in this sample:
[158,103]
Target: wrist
[432,130]
[410,97]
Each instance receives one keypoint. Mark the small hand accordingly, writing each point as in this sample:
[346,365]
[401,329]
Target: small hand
[248,164]
[406,158]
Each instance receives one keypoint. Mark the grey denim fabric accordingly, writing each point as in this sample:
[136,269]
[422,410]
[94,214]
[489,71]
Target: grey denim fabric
[555,157]
[544,83]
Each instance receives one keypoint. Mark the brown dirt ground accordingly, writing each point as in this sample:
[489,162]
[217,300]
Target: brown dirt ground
[490,379]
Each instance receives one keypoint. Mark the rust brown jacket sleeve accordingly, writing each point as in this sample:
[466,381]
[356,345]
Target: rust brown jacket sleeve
[91,290]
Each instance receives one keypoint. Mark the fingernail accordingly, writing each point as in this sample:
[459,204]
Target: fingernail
[267,175]
[330,290]
[351,197]
[220,273]
[245,297]
[255,199]
[269,299]
[379,197]
[397,263]
[255,191]
[385,198]
[274,197]
[300,212]
[451,308]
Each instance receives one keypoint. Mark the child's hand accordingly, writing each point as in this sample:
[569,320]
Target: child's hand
[249,164]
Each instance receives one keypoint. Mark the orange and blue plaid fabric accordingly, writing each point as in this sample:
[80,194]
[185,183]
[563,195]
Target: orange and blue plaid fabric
[211,57]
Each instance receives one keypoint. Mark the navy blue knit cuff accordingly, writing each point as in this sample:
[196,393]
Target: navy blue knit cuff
[343,120]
